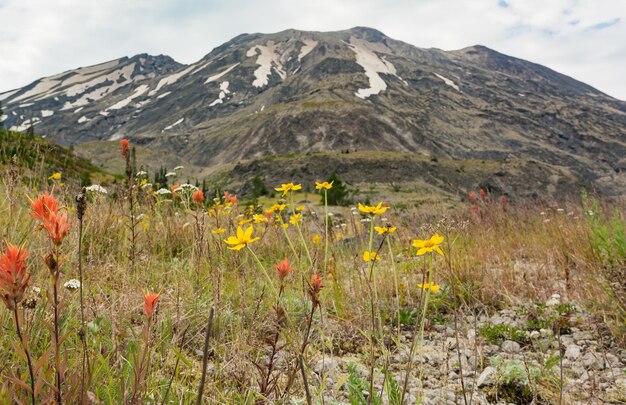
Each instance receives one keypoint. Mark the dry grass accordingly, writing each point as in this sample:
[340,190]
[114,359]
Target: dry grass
[498,259]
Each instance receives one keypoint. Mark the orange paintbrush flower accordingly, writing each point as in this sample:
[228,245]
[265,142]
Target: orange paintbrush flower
[43,206]
[57,226]
[124,148]
[315,288]
[150,301]
[198,197]
[46,211]
[283,268]
[13,276]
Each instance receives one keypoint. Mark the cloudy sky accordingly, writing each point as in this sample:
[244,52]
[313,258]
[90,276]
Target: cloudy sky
[585,39]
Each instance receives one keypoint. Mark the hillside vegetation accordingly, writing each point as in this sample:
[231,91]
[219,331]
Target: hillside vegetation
[139,293]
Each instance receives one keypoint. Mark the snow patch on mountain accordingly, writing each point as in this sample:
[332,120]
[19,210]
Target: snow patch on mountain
[180,121]
[201,67]
[308,46]
[83,119]
[171,79]
[25,125]
[47,113]
[448,82]
[267,58]
[118,78]
[8,94]
[373,65]
[223,92]
[121,104]
[219,75]
[167,93]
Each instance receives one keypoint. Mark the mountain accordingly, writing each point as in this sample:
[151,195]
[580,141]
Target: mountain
[297,92]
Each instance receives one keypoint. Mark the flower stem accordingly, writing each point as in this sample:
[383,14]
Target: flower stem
[395,282]
[25,347]
[326,231]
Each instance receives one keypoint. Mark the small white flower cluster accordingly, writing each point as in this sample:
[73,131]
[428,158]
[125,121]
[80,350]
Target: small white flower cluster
[96,188]
[170,174]
[186,187]
[146,186]
[179,168]
[72,284]
[163,191]
[142,173]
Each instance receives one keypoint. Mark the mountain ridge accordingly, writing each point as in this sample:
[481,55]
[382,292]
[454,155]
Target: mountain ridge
[305,91]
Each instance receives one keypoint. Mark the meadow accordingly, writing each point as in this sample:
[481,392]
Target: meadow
[131,292]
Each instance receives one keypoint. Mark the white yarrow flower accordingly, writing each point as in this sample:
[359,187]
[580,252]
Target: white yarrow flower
[163,191]
[72,284]
[170,174]
[96,188]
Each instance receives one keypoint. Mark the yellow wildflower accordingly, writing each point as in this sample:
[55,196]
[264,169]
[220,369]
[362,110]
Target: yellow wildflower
[242,239]
[287,187]
[316,238]
[427,246]
[300,208]
[295,218]
[285,226]
[258,218]
[245,221]
[55,176]
[429,286]
[277,207]
[370,256]
[218,231]
[385,229]
[373,209]
[325,184]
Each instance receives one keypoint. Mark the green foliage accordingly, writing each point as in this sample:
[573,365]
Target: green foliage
[258,188]
[357,385]
[393,390]
[160,180]
[338,194]
[608,234]
[496,334]
[34,154]
[554,318]
[1,113]
[522,382]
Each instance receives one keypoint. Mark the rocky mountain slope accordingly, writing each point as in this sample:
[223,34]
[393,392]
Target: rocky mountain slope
[295,92]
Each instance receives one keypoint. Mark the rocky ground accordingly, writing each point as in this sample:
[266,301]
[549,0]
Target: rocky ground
[510,357]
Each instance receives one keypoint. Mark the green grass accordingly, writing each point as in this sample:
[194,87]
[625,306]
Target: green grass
[491,258]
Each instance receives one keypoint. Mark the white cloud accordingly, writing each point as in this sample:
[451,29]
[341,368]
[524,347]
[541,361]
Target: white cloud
[585,39]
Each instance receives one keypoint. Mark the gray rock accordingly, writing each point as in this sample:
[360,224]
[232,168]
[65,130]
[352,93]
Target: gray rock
[613,360]
[510,346]
[328,366]
[582,337]
[486,377]
[572,352]
[593,361]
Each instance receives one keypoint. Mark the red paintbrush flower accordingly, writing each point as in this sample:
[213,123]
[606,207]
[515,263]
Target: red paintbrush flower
[315,288]
[283,268]
[198,197]
[124,148]
[43,206]
[150,301]
[57,227]
[13,276]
